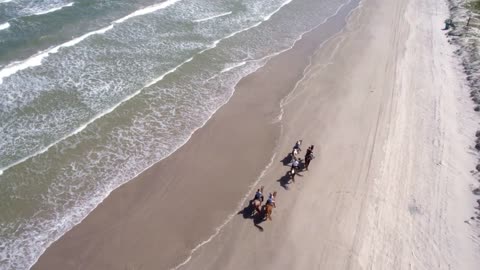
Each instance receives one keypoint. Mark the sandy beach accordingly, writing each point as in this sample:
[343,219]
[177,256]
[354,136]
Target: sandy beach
[383,100]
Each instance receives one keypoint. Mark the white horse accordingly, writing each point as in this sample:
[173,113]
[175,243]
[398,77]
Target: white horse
[296,149]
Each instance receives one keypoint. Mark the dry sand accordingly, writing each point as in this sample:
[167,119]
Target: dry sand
[389,188]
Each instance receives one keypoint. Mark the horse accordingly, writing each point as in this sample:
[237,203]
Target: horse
[296,149]
[256,203]
[292,172]
[268,211]
[256,206]
[268,208]
[295,152]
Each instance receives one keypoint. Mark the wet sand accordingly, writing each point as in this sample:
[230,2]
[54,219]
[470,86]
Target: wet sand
[383,103]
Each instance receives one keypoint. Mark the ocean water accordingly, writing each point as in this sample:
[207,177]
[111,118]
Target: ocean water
[94,92]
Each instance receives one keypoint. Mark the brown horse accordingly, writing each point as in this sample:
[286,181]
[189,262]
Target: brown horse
[269,207]
[268,211]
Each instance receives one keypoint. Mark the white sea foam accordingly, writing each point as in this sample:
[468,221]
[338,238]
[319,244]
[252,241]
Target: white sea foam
[5,1]
[147,10]
[4,26]
[264,19]
[230,67]
[156,80]
[53,9]
[36,60]
[101,114]
[213,17]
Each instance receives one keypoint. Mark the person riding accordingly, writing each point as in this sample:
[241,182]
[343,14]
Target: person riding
[295,164]
[271,200]
[297,145]
[308,156]
[309,151]
[259,195]
[292,174]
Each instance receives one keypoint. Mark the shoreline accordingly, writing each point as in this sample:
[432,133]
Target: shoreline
[149,173]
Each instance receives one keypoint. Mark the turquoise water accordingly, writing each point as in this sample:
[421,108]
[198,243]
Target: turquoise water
[94,92]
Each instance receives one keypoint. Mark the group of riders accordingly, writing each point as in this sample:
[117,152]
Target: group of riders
[295,168]
[297,161]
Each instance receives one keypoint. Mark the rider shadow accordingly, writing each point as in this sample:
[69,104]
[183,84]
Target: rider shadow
[247,211]
[286,179]
[286,161]
[257,219]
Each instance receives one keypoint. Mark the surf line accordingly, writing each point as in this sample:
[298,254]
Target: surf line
[227,69]
[213,17]
[4,26]
[53,9]
[36,60]
[230,217]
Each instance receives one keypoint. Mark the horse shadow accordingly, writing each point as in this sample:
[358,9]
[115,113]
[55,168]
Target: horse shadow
[284,180]
[257,219]
[247,211]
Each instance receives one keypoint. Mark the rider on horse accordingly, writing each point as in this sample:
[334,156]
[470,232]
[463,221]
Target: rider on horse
[296,149]
[297,144]
[309,151]
[259,195]
[309,156]
[295,164]
[257,201]
[271,200]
